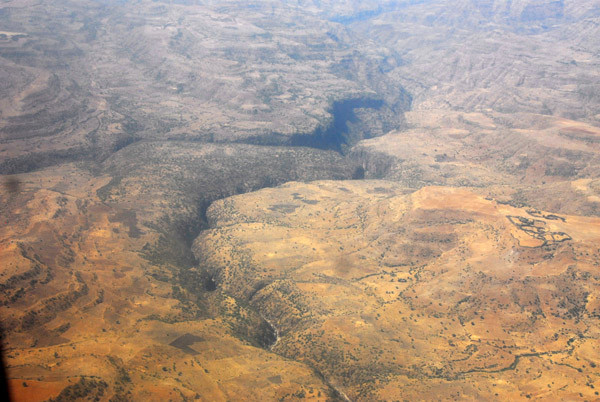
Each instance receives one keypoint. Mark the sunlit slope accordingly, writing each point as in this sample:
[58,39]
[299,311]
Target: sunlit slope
[394,294]
[545,162]
[99,297]
[471,273]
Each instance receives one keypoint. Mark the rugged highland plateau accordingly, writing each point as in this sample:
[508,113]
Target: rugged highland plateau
[286,200]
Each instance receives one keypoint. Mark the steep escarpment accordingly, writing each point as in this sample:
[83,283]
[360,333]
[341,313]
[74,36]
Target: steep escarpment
[542,161]
[151,248]
[392,293]
[169,185]
[102,294]
[99,284]
[154,72]
[339,134]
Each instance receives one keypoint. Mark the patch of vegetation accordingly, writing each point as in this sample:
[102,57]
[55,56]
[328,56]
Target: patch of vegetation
[86,389]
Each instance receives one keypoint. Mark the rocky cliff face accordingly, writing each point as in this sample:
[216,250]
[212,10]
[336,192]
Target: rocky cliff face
[93,78]
[141,259]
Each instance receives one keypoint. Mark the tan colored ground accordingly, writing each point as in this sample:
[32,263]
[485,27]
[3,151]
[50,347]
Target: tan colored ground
[546,162]
[470,274]
[396,295]
[80,301]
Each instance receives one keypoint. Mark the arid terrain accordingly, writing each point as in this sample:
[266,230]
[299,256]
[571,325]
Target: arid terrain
[283,200]
[392,293]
